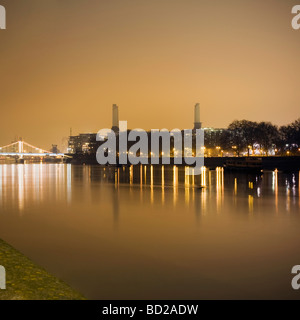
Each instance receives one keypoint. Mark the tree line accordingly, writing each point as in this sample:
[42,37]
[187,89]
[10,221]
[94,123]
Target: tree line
[264,137]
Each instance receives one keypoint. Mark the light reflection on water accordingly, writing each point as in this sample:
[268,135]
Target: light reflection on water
[154,231]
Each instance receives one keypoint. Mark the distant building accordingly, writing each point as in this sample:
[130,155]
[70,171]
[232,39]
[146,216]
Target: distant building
[83,143]
[212,137]
[54,149]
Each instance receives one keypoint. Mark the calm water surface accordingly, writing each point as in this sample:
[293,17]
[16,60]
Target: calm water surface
[151,233]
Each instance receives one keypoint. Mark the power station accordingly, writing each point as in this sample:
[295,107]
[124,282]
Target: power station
[115,117]
[87,143]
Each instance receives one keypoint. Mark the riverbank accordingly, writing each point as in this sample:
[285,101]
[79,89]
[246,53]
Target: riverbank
[281,163]
[27,281]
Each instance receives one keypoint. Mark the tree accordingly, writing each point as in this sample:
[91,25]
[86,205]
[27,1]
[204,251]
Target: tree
[290,136]
[249,132]
[267,134]
[295,134]
[237,136]
[225,140]
[281,139]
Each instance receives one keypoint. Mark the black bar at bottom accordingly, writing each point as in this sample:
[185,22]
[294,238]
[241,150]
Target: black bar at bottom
[146,309]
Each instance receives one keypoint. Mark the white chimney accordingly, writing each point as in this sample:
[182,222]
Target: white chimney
[115,116]
[197,123]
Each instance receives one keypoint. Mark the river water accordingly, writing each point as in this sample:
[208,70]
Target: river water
[152,232]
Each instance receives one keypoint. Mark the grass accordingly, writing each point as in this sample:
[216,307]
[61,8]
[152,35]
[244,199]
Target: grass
[27,281]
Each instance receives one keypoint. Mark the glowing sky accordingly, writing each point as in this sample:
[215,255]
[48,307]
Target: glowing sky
[63,63]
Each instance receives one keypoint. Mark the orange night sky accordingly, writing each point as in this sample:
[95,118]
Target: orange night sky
[64,63]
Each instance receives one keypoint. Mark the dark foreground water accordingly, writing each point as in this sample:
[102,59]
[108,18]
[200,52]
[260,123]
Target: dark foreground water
[151,233]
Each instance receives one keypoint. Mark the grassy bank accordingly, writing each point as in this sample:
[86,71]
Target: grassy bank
[27,281]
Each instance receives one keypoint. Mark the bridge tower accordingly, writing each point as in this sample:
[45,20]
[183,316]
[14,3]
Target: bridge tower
[20,146]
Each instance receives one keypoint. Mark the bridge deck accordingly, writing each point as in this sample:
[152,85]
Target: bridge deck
[24,154]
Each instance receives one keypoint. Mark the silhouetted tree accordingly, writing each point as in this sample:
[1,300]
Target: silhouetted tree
[267,134]
[237,136]
[225,140]
[290,135]
[244,134]
[295,134]
[280,140]
[250,133]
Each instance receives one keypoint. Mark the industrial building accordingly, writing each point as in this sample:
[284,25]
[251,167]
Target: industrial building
[86,144]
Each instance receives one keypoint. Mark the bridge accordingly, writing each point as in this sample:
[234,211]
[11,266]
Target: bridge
[21,149]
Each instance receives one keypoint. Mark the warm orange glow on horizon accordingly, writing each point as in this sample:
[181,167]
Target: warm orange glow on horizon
[64,63]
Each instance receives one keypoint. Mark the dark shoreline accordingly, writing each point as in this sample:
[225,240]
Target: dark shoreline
[285,164]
